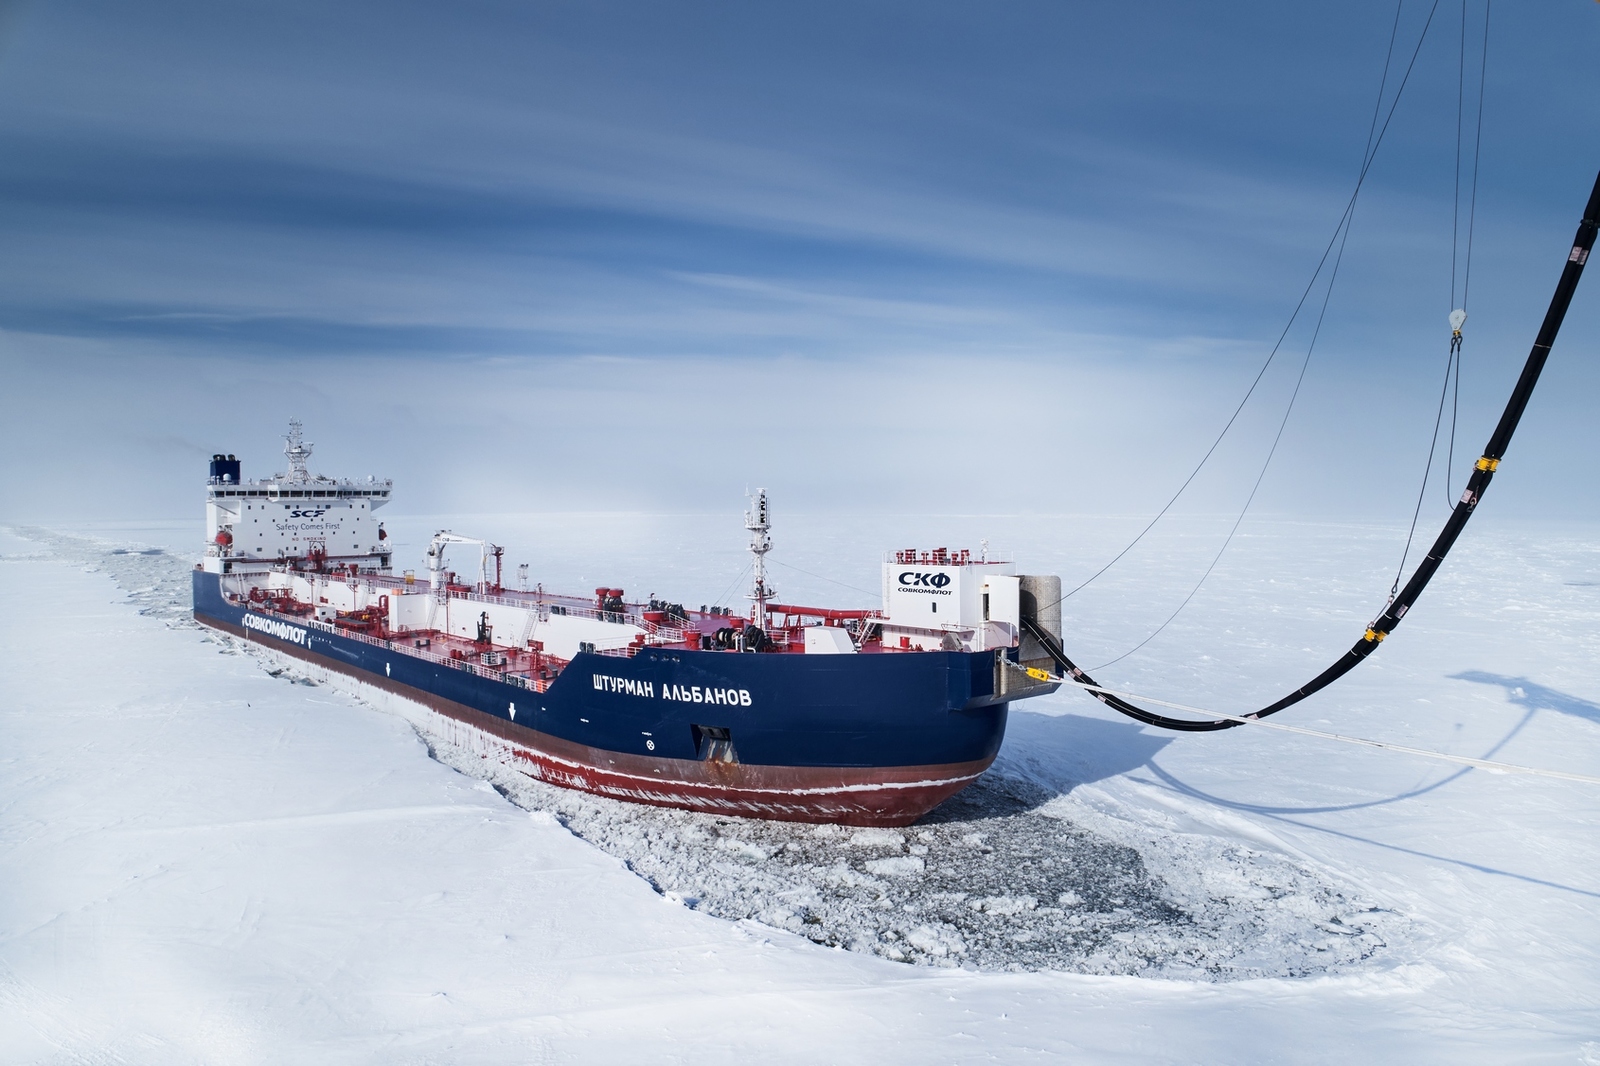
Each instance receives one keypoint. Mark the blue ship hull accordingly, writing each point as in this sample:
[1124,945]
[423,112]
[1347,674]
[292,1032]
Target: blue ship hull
[866,739]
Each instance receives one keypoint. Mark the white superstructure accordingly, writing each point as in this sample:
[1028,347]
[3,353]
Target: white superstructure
[292,517]
[941,599]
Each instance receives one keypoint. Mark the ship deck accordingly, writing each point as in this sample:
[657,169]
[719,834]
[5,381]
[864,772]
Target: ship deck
[663,626]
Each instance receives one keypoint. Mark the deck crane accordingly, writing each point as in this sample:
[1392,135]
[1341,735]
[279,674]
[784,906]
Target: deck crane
[436,571]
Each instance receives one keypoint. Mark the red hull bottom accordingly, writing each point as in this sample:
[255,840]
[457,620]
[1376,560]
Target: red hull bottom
[863,796]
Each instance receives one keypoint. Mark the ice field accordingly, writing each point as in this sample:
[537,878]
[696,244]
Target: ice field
[210,858]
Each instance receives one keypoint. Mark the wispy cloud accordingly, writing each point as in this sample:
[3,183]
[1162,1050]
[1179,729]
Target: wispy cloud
[706,208]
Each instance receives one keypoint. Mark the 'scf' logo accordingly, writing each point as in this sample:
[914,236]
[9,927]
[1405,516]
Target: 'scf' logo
[913,577]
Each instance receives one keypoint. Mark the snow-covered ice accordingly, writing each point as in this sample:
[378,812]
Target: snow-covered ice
[965,885]
[204,862]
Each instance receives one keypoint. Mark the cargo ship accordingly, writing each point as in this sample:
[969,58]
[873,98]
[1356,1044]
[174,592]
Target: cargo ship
[783,711]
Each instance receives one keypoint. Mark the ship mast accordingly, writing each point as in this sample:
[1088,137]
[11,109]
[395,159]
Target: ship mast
[298,452]
[757,521]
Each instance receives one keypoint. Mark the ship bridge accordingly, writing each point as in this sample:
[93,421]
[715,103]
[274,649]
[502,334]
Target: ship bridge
[293,518]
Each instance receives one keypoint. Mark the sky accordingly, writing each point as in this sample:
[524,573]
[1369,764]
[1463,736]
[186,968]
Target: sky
[876,257]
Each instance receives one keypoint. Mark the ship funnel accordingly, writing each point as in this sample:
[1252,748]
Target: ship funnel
[224,470]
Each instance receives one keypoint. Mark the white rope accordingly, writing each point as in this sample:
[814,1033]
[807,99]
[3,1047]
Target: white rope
[1484,764]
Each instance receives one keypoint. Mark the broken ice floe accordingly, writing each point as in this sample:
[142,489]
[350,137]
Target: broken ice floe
[988,880]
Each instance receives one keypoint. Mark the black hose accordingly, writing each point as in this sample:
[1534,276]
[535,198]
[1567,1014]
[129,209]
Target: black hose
[1398,604]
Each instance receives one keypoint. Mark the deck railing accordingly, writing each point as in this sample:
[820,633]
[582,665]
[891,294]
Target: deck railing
[571,606]
[465,665]
[428,655]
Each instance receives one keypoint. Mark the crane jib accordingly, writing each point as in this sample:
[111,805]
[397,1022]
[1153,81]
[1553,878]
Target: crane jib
[1482,472]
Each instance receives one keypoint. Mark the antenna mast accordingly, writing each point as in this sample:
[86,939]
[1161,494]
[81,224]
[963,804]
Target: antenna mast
[298,452]
[757,521]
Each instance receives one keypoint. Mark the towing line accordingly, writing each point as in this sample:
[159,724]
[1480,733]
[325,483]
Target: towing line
[1482,472]
[1482,764]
